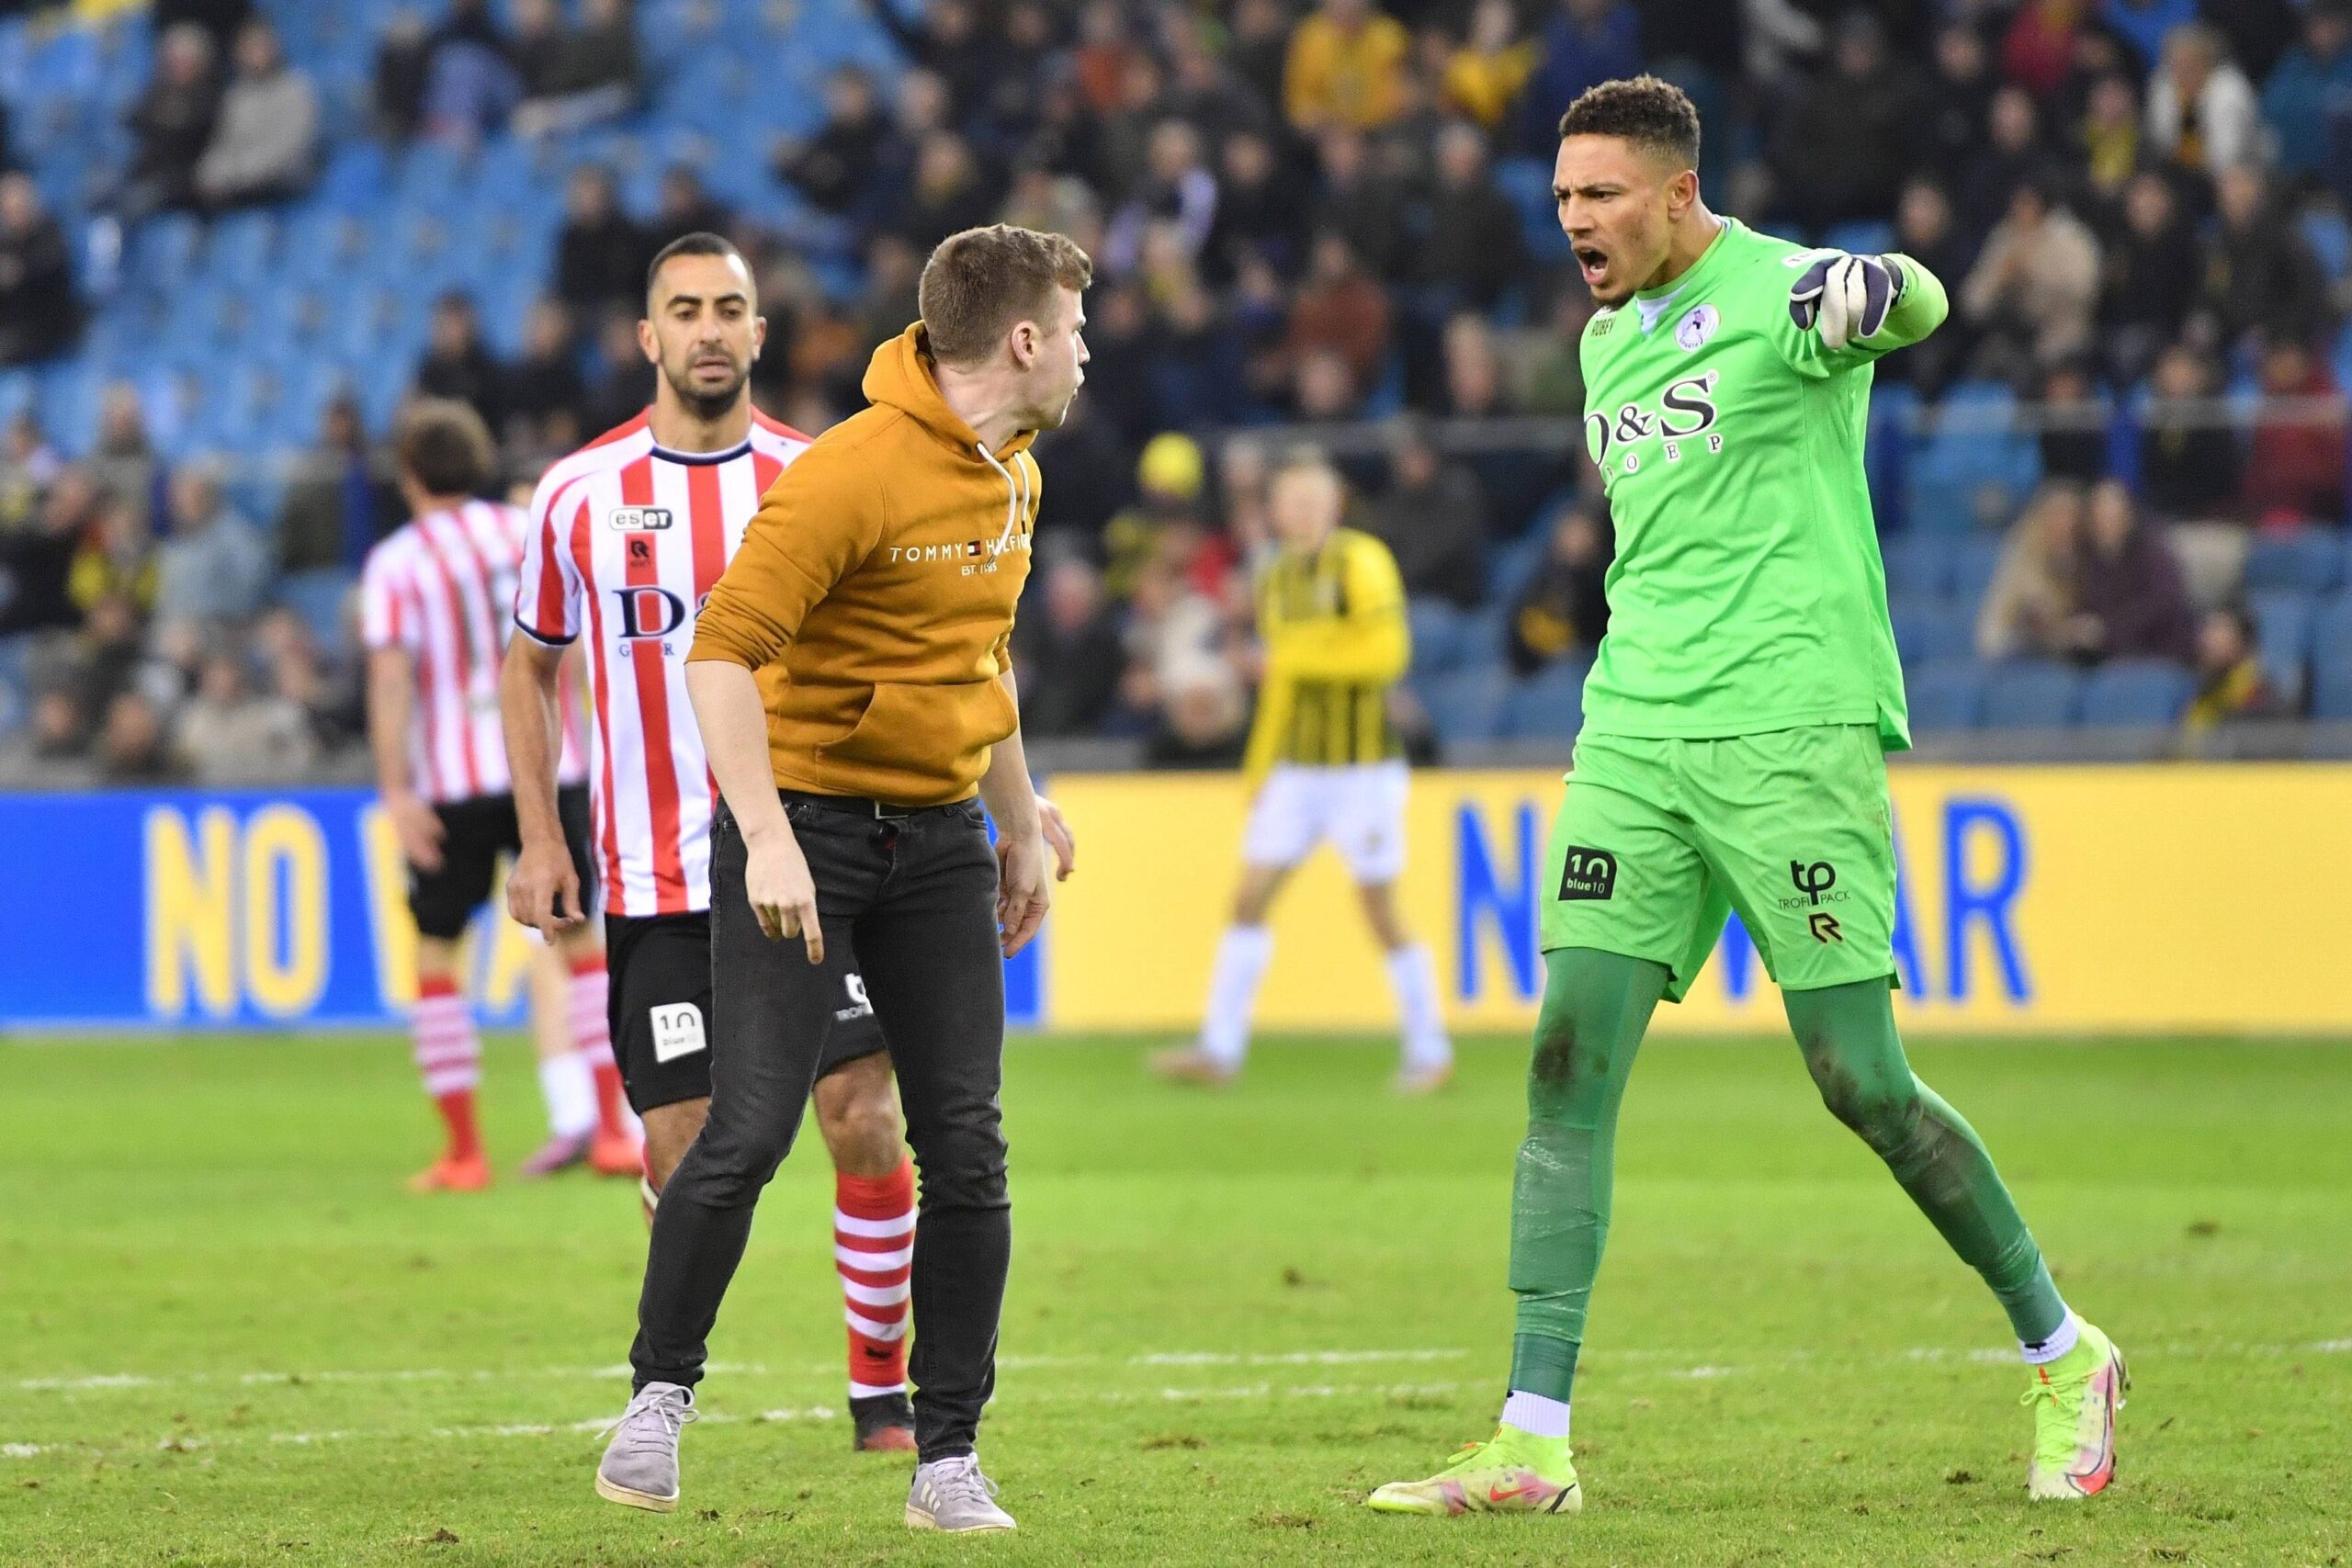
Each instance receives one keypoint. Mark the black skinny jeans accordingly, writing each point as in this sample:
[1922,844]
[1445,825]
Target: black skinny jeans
[917,895]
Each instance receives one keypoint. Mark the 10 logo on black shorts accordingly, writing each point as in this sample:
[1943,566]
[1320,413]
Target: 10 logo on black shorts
[1587,873]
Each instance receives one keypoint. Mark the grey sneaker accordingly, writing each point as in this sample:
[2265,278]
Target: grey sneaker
[640,1464]
[951,1494]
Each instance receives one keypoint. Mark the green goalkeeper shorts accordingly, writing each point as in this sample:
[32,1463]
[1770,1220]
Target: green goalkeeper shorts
[1659,839]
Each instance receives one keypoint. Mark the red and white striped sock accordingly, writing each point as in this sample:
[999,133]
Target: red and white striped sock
[592,1038]
[449,1057]
[874,1248]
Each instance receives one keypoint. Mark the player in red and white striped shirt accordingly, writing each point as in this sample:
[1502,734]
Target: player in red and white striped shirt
[433,598]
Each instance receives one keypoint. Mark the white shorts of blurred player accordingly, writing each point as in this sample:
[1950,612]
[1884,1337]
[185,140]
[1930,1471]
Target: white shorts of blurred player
[1359,809]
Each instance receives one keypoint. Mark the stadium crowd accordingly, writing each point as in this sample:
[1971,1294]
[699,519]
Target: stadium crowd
[1332,215]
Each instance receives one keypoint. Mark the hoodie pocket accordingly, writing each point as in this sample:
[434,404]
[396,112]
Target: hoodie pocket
[926,727]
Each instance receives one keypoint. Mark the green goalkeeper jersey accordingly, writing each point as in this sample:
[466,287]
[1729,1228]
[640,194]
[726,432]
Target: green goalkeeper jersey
[1748,594]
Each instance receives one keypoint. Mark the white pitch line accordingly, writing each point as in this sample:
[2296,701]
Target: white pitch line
[193,1442]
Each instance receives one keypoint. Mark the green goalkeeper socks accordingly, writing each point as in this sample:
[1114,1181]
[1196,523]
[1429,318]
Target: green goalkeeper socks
[1596,1007]
[1850,1047]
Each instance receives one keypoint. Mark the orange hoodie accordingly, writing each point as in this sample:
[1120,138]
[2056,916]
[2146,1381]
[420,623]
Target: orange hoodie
[873,595]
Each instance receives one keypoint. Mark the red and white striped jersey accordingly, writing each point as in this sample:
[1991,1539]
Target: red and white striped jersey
[437,586]
[628,538]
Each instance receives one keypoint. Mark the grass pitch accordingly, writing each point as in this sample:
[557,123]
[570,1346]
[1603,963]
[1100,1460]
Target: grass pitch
[227,1336]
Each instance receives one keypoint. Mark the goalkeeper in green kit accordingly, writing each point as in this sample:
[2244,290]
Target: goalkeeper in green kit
[1731,758]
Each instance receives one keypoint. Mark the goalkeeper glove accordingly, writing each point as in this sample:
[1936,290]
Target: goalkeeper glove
[1845,298]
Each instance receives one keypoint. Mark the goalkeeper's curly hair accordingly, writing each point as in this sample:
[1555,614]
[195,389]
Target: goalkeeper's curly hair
[1645,110]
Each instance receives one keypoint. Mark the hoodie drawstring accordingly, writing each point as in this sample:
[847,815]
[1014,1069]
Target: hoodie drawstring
[1016,492]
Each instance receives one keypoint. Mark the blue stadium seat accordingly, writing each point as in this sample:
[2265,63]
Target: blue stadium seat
[2032,695]
[2311,560]
[2283,631]
[1509,568]
[1467,704]
[2136,692]
[1918,565]
[1547,706]
[1946,695]
[1437,636]
[317,596]
[1976,559]
[2324,230]
[1528,183]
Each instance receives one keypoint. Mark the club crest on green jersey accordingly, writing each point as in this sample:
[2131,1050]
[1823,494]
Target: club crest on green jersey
[1683,420]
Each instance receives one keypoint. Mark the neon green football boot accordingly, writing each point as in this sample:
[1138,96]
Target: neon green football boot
[2074,1400]
[1510,1473]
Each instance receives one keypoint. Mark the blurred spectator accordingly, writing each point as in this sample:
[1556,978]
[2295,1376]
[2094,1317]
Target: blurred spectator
[601,255]
[171,121]
[457,364]
[117,557]
[1177,192]
[1357,201]
[2202,114]
[545,383]
[1242,470]
[2013,155]
[686,208]
[2038,50]
[1953,101]
[329,697]
[264,147]
[2231,682]
[2311,90]
[213,567]
[1260,48]
[1168,524]
[838,168]
[41,316]
[1203,720]
[950,43]
[109,656]
[1068,646]
[2294,468]
[1474,370]
[2188,454]
[2033,292]
[1485,72]
[2073,429]
[336,503]
[228,735]
[1839,155]
[1432,517]
[574,78]
[1341,311]
[1345,67]
[123,461]
[1204,90]
[2260,275]
[2129,599]
[1094,472]
[1925,230]
[2149,279]
[1555,376]
[950,194]
[37,562]
[1196,361]
[28,467]
[1563,609]
[1472,251]
[471,85]
[132,749]
[404,62]
[1584,44]
[2031,598]
[2109,134]
[2258,32]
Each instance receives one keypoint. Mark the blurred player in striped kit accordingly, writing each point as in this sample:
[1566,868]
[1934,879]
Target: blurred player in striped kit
[1327,765]
[433,609]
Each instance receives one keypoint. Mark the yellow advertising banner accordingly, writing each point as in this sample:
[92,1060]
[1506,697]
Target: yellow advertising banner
[2059,900]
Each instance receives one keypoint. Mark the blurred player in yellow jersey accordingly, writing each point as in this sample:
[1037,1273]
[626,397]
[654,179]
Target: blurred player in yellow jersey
[1325,764]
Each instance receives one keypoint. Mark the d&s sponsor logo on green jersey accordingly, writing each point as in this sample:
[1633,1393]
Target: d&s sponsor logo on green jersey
[1681,425]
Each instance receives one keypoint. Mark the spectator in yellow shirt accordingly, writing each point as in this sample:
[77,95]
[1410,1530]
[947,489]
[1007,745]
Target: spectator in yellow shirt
[1485,74]
[1346,67]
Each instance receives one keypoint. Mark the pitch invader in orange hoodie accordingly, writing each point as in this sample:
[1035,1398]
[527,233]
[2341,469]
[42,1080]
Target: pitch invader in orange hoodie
[628,536]
[851,677]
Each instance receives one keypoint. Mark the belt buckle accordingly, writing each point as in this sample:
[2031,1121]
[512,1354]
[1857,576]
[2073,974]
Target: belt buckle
[882,812]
